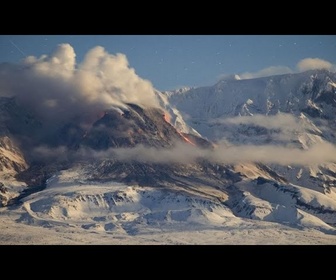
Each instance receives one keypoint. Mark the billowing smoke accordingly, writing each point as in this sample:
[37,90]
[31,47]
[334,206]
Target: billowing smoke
[54,87]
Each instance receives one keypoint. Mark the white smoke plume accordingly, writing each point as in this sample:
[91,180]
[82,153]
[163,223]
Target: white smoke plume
[55,87]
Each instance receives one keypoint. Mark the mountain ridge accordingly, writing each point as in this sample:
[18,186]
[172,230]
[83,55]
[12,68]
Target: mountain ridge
[201,143]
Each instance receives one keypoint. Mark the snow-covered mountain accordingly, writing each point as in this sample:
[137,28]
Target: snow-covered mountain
[292,110]
[223,159]
[311,93]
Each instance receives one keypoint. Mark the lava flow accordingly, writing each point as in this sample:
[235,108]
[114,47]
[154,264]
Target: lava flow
[186,139]
[167,118]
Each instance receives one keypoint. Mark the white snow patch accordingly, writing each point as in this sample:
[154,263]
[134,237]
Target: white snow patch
[249,102]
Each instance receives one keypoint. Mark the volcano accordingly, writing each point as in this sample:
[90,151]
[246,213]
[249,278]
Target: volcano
[132,171]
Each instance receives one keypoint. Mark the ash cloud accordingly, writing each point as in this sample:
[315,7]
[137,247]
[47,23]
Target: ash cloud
[56,88]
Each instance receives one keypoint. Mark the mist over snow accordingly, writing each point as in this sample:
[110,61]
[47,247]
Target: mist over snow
[184,153]
[279,121]
[56,88]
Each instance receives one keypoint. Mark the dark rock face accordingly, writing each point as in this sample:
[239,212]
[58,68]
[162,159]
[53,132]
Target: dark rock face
[123,127]
[130,127]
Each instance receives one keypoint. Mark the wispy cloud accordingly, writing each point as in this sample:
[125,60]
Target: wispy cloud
[303,65]
[269,71]
[319,153]
[313,63]
[281,121]
[282,127]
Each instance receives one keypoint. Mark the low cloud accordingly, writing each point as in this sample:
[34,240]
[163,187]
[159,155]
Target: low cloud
[279,121]
[224,153]
[282,127]
[47,155]
[317,154]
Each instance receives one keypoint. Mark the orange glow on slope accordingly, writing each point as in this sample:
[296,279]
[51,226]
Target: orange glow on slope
[100,114]
[186,139]
[167,117]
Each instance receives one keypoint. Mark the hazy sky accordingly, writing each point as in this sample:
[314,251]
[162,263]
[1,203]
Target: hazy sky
[171,61]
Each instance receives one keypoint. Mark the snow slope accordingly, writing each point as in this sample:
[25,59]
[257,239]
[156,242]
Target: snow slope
[309,92]
[73,210]
[11,162]
[292,110]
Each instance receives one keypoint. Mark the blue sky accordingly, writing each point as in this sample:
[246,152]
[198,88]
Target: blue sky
[171,61]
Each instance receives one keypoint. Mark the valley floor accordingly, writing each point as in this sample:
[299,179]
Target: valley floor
[249,233]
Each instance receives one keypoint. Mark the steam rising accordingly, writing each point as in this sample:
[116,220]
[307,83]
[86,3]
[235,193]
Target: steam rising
[54,87]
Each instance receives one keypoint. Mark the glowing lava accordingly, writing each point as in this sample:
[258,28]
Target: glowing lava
[186,139]
[167,117]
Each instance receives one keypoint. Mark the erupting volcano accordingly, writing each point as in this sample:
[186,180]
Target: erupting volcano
[90,152]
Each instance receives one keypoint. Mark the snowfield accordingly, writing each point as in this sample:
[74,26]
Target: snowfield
[72,210]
